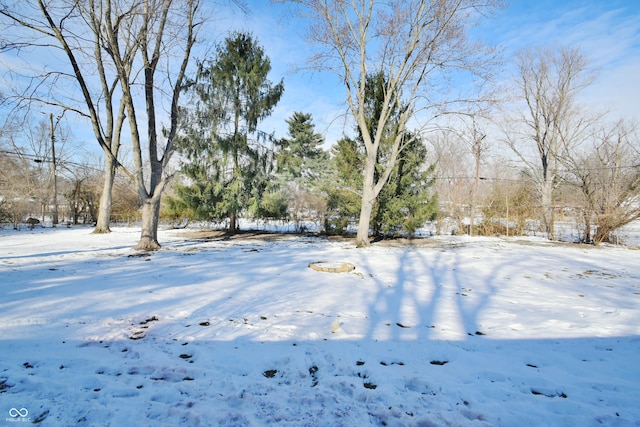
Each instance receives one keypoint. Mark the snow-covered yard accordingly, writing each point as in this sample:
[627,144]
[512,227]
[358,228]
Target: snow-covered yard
[208,331]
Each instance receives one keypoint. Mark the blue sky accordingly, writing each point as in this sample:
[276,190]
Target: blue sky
[607,31]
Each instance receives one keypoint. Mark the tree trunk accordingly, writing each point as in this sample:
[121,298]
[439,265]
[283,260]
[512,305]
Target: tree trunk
[368,200]
[587,226]
[362,238]
[603,231]
[547,207]
[106,198]
[149,235]
[233,224]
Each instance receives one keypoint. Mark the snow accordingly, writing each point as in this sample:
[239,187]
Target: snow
[445,331]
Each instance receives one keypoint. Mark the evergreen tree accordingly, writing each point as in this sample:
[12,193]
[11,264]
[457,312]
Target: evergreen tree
[343,203]
[302,167]
[229,162]
[297,153]
[404,204]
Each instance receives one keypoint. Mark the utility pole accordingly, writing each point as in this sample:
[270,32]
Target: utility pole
[477,152]
[55,172]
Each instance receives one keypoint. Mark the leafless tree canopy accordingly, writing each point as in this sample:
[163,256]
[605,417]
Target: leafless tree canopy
[606,170]
[420,47]
[111,61]
[547,82]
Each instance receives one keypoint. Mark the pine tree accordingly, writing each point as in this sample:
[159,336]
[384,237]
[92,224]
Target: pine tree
[404,204]
[302,167]
[343,204]
[302,147]
[229,162]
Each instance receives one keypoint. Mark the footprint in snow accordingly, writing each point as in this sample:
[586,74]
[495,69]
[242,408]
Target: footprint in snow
[548,393]
[270,373]
[399,363]
[313,371]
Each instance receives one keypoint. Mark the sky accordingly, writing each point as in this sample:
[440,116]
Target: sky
[607,31]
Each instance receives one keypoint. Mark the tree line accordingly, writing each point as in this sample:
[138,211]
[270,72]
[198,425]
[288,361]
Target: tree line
[194,134]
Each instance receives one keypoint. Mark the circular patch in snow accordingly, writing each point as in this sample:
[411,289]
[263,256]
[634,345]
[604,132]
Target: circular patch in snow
[332,267]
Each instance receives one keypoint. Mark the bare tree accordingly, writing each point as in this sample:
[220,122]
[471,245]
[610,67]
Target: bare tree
[14,199]
[38,180]
[117,46]
[608,176]
[81,200]
[87,85]
[477,148]
[31,143]
[548,81]
[417,45]
[450,154]
[21,186]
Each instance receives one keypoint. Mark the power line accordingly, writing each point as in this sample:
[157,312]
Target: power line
[43,159]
